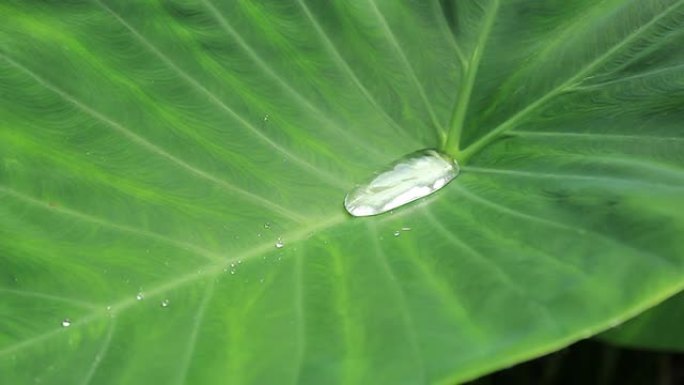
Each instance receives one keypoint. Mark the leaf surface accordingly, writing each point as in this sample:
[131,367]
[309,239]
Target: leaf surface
[658,328]
[196,154]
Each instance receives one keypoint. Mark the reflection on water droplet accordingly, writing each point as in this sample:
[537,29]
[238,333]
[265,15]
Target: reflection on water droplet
[405,229]
[140,296]
[165,303]
[279,243]
[396,233]
[412,177]
[66,323]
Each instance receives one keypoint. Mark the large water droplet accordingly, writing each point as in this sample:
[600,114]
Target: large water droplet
[412,177]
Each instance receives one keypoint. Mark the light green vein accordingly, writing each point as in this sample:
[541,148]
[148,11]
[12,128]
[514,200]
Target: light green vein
[350,73]
[501,208]
[353,337]
[268,70]
[410,71]
[140,141]
[465,90]
[101,353]
[652,168]
[110,225]
[591,136]
[409,322]
[50,297]
[90,173]
[629,78]
[500,273]
[299,298]
[565,86]
[606,181]
[453,304]
[322,174]
[209,270]
[581,232]
[440,16]
[198,319]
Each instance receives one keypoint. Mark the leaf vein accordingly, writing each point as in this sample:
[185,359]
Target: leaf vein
[144,143]
[219,103]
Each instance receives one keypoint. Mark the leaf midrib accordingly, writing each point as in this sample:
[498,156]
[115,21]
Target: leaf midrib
[209,270]
[464,94]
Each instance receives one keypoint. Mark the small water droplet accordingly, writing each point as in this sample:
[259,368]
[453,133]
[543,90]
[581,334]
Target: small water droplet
[109,307]
[405,229]
[279,243]
[165,303]
[266,118]
[410,178]
[66,323]
[140,296]
[396,233]
[267,226]
[232,272]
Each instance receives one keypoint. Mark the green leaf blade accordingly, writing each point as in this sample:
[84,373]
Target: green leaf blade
[165,148]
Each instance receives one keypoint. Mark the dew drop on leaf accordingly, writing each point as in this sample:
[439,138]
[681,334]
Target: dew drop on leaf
[279,243]
[165,303]
[412,177]
[66,323]
[396,233]
[140,296]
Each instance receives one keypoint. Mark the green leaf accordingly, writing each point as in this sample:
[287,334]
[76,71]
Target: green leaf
[659,328]
[172,176]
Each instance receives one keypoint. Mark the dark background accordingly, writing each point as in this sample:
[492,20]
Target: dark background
[593,362]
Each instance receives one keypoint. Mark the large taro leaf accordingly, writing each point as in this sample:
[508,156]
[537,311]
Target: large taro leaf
[154,153]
